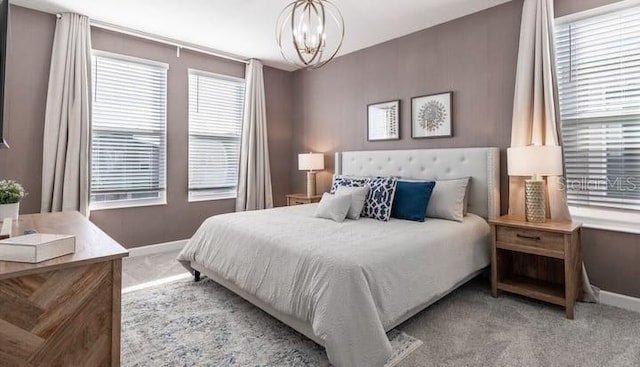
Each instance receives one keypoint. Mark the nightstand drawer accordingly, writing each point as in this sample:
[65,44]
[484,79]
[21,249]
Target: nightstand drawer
[534,239]
[298,201]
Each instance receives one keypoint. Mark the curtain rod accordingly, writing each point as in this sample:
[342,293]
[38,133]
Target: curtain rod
[164,40]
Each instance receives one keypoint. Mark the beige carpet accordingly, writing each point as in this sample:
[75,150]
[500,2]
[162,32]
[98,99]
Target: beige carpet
[470,328]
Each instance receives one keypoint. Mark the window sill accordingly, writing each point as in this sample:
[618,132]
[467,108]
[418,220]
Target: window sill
[125,205]
[209,198]
[607,219]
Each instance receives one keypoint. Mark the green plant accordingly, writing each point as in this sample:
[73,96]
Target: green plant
[11,192]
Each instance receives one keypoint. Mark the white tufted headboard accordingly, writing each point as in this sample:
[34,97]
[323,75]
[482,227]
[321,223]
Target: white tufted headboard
[481,164]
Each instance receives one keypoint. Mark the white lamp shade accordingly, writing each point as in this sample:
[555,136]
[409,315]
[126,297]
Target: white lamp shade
[531,160]
[310,161]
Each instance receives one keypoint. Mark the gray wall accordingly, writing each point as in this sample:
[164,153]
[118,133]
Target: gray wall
[475,57]
[27,78]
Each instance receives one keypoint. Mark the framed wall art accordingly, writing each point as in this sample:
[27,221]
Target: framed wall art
[431,116]
[383,121]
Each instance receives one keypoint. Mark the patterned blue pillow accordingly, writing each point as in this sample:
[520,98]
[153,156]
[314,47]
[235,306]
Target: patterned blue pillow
[347,181]
[381,193]
[380,199]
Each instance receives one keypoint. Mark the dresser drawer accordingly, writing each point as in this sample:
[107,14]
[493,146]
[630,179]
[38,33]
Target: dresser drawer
[298,201]
[531,238]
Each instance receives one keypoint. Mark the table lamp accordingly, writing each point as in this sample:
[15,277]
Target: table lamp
[535,161]
[310,162]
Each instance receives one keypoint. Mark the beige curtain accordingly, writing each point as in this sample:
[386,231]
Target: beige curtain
[65,164]
[254,183]
[535,108]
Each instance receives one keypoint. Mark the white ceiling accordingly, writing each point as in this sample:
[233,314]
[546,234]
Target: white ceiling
[247,27]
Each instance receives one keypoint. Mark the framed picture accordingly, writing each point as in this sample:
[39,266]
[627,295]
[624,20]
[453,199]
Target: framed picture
[431,116]
[383,121]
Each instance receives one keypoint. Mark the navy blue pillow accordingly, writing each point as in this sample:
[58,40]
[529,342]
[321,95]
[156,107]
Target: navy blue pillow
[411,200]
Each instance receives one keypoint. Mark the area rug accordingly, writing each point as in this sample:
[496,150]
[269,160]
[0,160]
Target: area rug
[203,324]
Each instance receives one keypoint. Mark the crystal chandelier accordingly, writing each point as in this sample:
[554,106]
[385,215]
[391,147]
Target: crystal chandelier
[310,33]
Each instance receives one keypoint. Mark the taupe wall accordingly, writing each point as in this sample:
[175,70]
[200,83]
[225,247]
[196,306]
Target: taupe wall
[566,7]
[27,75]
[32,35]
[179,218]
[613,260]
[475,57]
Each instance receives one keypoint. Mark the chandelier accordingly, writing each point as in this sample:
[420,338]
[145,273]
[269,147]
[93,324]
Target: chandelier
[310,33]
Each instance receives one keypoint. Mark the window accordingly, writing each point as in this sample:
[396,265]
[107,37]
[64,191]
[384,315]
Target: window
[128,131]
[216,105]
[598,62]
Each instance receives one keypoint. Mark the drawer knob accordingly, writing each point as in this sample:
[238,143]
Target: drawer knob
[535,238]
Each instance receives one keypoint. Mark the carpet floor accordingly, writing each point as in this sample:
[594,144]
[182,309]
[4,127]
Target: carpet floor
[203,324]
[471,328]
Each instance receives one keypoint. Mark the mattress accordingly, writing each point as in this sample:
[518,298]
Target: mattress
[349,281]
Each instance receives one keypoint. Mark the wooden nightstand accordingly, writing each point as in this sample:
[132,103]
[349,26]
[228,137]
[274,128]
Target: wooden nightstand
[537,260]
[298,199]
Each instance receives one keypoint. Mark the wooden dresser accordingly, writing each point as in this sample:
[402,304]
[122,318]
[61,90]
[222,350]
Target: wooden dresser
[64,311]
[537,260]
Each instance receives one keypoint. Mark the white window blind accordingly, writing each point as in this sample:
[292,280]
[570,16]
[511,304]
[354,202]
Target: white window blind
[216,105]
[598,62]
[128,131]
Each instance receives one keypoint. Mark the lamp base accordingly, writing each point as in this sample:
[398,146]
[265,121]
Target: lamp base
[535,204]
[311,183]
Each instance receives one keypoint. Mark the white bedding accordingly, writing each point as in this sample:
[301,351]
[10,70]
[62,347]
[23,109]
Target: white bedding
[350,281]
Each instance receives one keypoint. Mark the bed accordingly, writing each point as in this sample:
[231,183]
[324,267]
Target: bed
[344,285]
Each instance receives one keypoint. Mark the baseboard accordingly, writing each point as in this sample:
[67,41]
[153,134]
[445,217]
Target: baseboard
[157,248]
[620,301]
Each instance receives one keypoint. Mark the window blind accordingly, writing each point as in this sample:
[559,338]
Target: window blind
[216,105]
[598,61]
[128,130]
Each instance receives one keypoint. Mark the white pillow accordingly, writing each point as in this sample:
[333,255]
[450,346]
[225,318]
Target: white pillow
[358,198]
[334,207]
[448,199]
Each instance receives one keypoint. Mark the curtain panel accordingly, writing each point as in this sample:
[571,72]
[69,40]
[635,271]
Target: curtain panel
[254,182]
[65,164]
[536,111]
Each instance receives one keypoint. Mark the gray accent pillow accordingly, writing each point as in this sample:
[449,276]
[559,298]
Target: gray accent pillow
[448,199]
[358,198]
[334,207]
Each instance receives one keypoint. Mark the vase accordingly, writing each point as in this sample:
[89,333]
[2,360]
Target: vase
[9,211]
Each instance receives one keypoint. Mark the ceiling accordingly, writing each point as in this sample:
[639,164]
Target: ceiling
[247,27]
